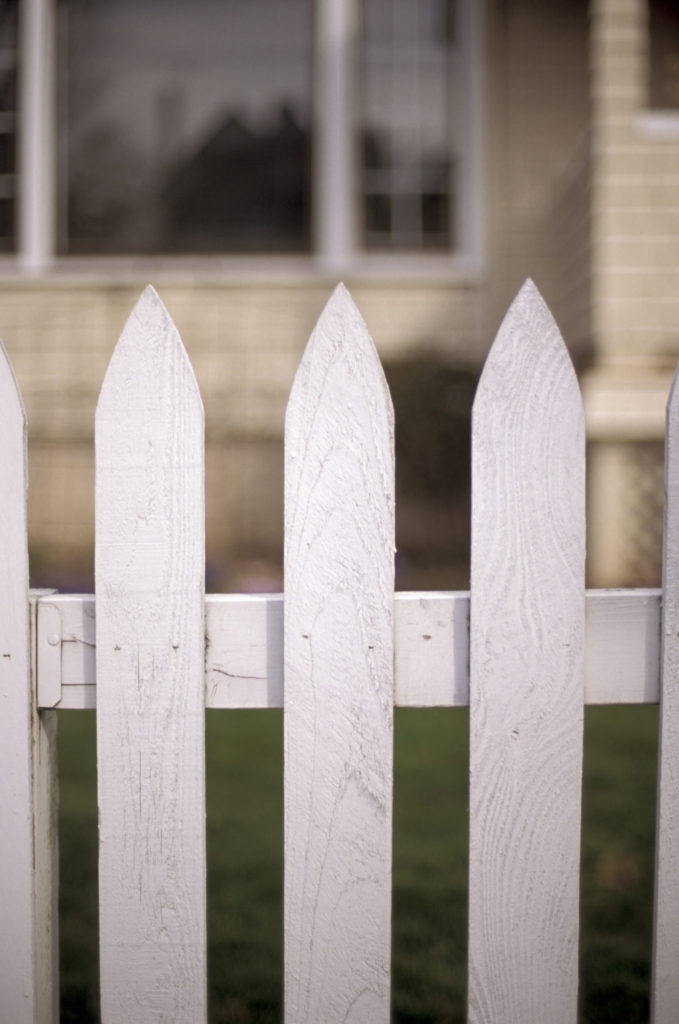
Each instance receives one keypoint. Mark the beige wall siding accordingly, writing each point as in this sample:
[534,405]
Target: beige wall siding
[635,296]
[537,129]
[572,305]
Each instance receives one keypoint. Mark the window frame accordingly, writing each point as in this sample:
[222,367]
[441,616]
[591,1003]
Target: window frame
[335,200]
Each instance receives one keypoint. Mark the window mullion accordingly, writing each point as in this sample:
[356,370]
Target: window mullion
[468,93]
[334,132]
[36,135]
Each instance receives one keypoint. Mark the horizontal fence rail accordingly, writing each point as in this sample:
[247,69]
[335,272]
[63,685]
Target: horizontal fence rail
[524,650]
[244,649]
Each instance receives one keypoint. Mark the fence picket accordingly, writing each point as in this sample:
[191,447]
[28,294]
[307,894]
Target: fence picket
[150,652]
[665,983]
[526,675]
[28,879]
[338,688]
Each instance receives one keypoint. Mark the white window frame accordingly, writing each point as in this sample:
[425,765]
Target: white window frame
[36,193]
[335,248]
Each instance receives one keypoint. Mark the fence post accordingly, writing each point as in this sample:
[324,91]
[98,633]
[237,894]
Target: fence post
[338,687]
[28,840]
[150,676]
[665,983]
[526,675]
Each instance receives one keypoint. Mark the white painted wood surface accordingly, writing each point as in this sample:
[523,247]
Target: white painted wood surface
[665,980]
[244,649]
[622,646]
[336,26]
[150,699]
[526,675]
[28,850]
[339,585]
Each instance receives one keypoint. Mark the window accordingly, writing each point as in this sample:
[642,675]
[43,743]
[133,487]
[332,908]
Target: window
[186,126]
[407,129]
[8,76]
[334,130]
[664,52]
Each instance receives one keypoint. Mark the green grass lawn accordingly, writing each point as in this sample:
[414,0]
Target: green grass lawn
[244,757]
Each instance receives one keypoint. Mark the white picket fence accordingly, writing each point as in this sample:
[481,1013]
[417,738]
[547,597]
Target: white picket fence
[526,651]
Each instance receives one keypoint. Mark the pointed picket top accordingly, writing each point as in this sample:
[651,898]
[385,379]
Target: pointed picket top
[340,338]
[150,555]
[528,384]
[338,687]
[526,673]
[151,334]
[340,390]
[528,337]
[665,985]
[149,420]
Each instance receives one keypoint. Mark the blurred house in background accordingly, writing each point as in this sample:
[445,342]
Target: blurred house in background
[244,155]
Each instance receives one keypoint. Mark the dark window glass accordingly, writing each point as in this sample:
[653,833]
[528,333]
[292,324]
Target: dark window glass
[184,127]
[664,32]
[406,123]
[8,121]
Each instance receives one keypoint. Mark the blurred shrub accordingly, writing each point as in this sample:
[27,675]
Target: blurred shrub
[432,403]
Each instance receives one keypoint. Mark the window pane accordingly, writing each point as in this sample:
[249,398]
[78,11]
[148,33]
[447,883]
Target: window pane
[406,124]
[185,127]
[664,38]
[8,90]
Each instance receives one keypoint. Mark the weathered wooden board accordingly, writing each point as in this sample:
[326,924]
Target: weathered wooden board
[28,846]
[339,586]
[665,981]
[150,692]
[527,622]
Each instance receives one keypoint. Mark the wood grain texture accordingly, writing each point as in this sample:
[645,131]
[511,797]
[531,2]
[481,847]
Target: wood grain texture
[526,675]
[339,585]
[150,700]
[665,981]
[244,657]
[28,885]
